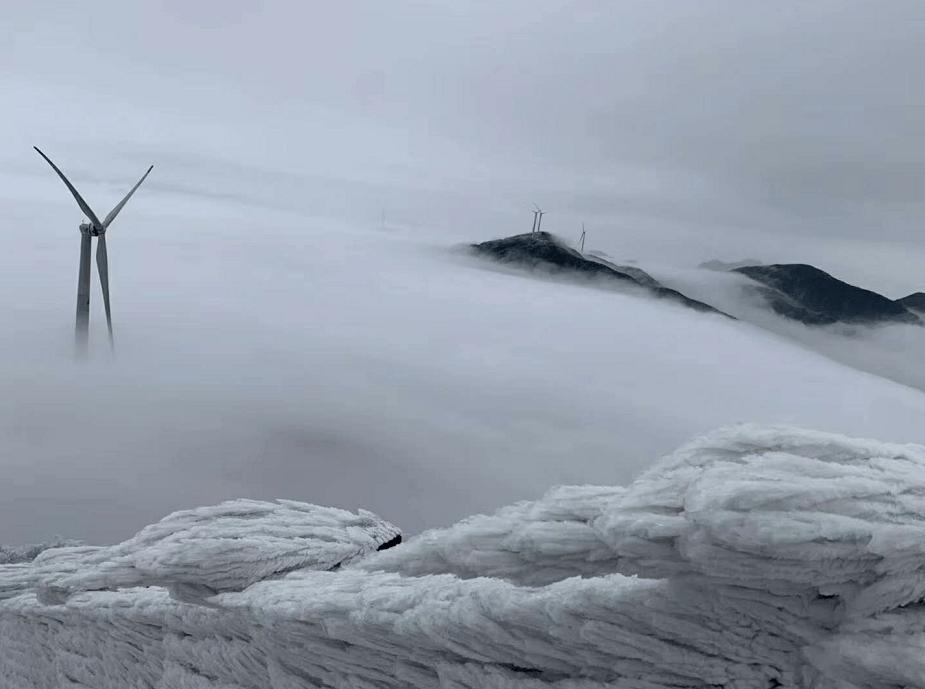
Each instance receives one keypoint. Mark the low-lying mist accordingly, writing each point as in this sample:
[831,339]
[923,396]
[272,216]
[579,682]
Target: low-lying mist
[271,355]
[894,351]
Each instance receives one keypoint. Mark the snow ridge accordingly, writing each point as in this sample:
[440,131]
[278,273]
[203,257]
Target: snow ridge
[198,553]
[751,557]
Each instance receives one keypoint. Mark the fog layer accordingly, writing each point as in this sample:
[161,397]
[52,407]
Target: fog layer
[289,320]
[270,355]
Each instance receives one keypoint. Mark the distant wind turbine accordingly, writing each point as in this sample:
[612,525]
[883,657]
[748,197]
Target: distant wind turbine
[97,229]
[582,240]
[539,221]
[535,213]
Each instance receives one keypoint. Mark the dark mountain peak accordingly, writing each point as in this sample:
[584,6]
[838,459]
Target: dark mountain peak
[915,301]
[723,266]
[536,247]
[789,271]
[812,296]
[542,250]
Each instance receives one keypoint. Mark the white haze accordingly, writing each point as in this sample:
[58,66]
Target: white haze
[276,339]
[894,351]
[270,354]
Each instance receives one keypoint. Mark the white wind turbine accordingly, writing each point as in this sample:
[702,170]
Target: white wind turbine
[97,229]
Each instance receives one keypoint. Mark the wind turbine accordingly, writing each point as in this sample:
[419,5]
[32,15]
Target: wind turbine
[97,229]
[535,213]
[540,218]
[582,239]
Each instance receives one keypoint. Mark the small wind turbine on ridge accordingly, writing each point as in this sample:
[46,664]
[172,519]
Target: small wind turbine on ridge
[535,213]
[539,217]
[582,239]
[94,228]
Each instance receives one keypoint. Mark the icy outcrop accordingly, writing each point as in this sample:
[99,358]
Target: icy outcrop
[13,555]
[200,552]
[751,557]
[753,506]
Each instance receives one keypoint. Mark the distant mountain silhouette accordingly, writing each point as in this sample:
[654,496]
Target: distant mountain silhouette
[546,251]
[915,301]
[812,296]
[725,267]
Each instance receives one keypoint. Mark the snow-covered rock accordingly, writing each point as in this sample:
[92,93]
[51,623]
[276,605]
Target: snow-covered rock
[227,547]
[12,555]
[751,557]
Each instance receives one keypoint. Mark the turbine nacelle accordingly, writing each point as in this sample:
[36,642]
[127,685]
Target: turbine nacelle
[88,228]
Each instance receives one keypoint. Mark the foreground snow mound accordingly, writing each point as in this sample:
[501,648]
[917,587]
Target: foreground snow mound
[198,553]
[10,555]
[751,557]
[755,507]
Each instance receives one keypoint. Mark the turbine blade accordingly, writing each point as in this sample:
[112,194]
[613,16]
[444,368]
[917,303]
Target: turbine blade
[102,265]
[115,211]
[80,202]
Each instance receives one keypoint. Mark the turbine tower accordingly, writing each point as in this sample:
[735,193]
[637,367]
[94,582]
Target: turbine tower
[537,216]
[97,229]
[582,239]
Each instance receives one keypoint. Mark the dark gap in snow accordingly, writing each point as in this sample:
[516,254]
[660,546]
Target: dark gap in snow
[545,675]
[390,544]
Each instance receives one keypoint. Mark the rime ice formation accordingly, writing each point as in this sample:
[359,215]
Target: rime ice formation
[751,557]
[198,553]
[10,555]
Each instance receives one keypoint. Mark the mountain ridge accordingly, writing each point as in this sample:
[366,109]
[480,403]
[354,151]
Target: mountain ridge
[802,292]
[543,249]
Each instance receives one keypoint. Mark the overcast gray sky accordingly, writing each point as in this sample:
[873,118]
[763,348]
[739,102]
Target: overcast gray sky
[793,118]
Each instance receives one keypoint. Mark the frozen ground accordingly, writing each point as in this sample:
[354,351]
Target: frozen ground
[751,557]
